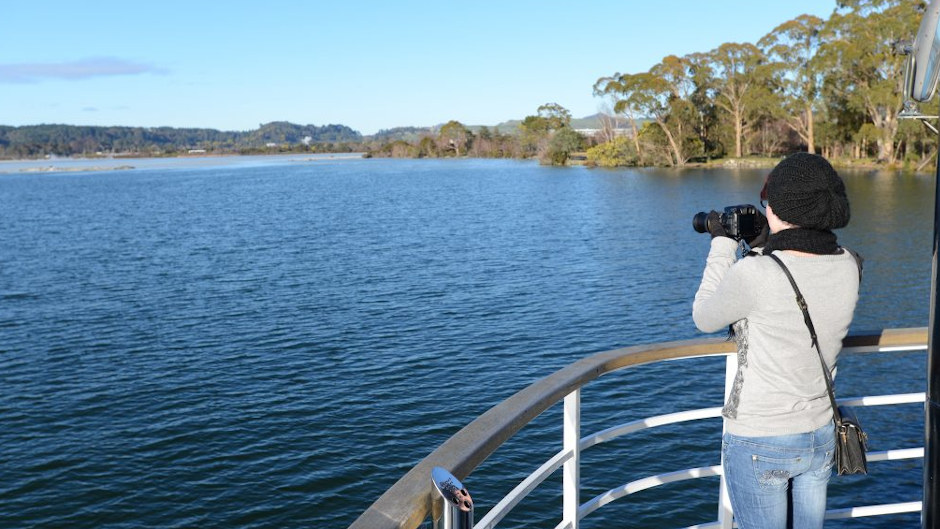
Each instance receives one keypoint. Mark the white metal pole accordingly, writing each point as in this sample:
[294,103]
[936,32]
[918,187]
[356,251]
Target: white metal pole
[725,514]
[571,483]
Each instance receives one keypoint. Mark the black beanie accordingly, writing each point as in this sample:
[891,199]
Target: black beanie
[806,191]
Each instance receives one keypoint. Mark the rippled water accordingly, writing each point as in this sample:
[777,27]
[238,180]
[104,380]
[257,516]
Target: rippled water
[273,344]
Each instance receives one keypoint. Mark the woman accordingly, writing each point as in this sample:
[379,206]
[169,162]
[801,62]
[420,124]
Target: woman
[779,434]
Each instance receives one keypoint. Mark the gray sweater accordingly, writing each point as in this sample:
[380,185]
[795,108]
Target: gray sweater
[779,387]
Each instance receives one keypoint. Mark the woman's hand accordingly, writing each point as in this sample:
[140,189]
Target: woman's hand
[713,223]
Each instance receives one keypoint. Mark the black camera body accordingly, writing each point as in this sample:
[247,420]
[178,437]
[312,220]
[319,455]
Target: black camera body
[740,222]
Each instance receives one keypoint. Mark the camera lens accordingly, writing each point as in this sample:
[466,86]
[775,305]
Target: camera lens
[700,222]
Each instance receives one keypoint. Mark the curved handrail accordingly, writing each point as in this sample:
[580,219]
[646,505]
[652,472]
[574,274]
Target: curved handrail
[409,501]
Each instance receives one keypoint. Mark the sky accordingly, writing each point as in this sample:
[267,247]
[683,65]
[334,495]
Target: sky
[369,65]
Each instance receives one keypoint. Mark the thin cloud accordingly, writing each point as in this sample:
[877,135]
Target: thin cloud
[73,71]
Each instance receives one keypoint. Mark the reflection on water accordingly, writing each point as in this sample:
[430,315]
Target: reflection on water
[59,164]
[892,226]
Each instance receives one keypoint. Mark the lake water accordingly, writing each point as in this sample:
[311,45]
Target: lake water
[272,344]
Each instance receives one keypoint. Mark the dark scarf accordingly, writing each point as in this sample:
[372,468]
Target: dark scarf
[821,242]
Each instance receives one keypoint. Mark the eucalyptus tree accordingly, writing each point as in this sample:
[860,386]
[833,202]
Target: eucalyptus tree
[672,88]
[621,90]
[708,123]
[920,145]
[653,95]
[537,129]
[857,52]
[834,131]
[662,94]
[792,48]
[556,116]
[738,76]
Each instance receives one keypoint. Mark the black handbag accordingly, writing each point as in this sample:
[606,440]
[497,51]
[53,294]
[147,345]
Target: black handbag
[851,443]
[851,440]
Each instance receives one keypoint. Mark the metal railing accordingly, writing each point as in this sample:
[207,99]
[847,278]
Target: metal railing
[409,502]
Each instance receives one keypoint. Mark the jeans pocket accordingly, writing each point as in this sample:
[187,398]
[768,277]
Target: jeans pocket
[773,472]
[830,461]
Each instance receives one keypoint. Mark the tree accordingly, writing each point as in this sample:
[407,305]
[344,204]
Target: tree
[455,136]
[555,116]
[609,123]
[427,147]
[665,95]
[858,52]
[537,130]
[533,134]
[561,145]
[736,74]
[708,119]
[792,48]
[621,89]
[615,153]
[489,143]
[659,94]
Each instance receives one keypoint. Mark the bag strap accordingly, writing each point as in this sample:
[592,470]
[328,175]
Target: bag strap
[801,301]
[859,261]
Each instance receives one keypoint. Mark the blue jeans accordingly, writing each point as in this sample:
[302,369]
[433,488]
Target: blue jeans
[779,482]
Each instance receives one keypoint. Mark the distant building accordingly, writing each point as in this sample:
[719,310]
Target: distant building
[592,132]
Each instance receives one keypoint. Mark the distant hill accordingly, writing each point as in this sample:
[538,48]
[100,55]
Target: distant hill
[587,122]
[285,132]
[408,134]
[68,140]
[508,127]
[413,134]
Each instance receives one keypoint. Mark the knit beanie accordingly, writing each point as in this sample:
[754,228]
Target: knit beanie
[804,190]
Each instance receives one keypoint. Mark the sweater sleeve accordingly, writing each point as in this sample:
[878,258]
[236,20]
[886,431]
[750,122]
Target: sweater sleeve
[724,296]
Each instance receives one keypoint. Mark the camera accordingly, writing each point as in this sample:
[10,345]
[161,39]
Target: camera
[744,221]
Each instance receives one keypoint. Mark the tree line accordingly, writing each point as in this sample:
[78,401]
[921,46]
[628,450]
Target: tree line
[70,140]
[546,135]
[832,86]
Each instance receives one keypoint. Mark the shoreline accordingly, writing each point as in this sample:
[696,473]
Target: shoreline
[126,163]
[136,156]
[46,165]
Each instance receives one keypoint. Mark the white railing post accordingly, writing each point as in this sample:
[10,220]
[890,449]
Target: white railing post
[725,515]
[571,483]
